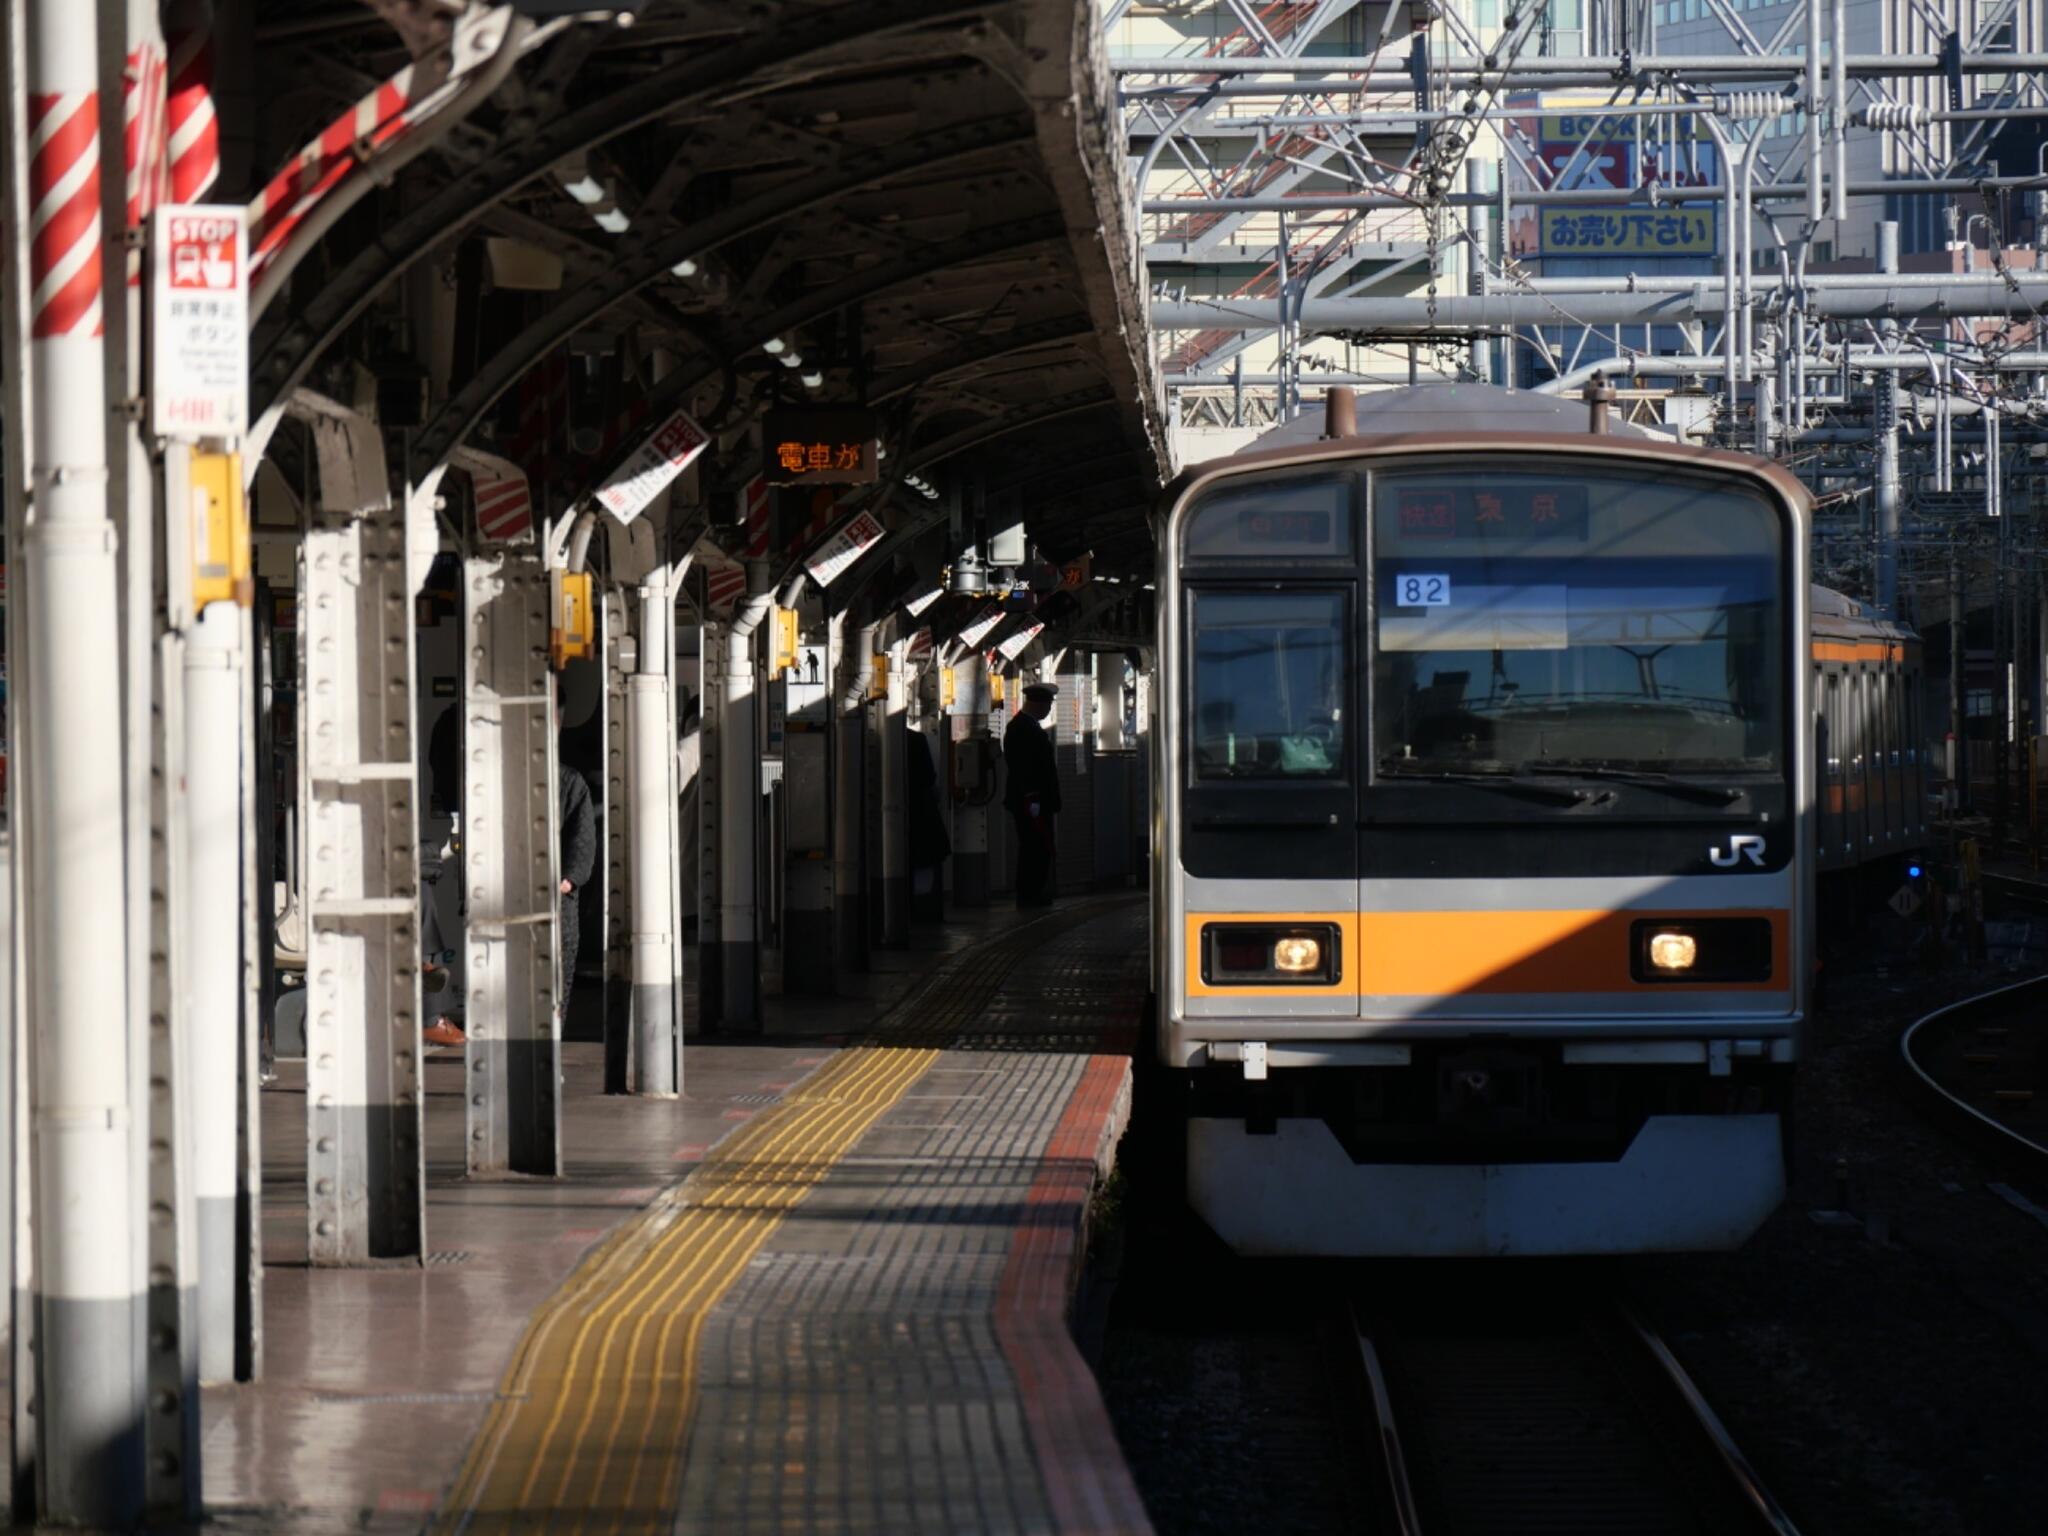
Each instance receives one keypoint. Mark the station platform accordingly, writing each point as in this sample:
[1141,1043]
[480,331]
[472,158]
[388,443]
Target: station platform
[826,1290]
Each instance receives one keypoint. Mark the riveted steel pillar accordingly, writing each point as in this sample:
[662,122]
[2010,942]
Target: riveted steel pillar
[972,781]
[509,862]
[364,1171]
[895,797]
[808,800]
[739,749]
[616,824]
[656,1066]
[710,797]
[849,798]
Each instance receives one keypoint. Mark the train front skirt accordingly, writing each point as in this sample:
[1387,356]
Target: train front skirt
[1687,1183]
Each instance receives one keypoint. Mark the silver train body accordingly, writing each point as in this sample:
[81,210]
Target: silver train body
[1484,833]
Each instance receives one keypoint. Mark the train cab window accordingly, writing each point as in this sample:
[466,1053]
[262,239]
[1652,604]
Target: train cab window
[1529,619]
[1290,519]
[1268,687]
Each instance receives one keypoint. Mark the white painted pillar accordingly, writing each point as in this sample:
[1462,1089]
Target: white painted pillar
[90,1391]
[650,788]
[210,926]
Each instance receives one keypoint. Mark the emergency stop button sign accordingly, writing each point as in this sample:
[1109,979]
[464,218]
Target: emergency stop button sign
[199,322]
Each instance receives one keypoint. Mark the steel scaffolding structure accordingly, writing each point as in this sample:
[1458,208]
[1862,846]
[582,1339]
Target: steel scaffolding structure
[1533,192]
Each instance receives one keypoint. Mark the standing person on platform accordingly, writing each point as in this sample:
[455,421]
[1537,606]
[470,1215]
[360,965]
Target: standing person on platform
[579,862]
[1032,794]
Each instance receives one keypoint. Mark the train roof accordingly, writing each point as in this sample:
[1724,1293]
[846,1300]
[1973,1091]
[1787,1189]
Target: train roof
[1451,408]
[1838,615]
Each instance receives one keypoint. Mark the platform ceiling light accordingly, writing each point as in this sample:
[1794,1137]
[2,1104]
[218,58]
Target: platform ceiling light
[684,268]
[1673,951]
[774,346]
[614,221]
[585,189]
[814,380]
[792,359]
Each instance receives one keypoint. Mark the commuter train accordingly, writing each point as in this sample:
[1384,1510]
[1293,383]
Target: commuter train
[1490,798]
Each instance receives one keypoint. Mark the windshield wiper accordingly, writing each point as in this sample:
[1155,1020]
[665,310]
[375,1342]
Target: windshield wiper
[1500,781]
[1647,778]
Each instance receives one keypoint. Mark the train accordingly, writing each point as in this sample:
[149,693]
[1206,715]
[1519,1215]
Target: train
[1498,751]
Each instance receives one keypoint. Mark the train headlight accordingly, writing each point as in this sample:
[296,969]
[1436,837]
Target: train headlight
[1295,955]
[1249,953]
[1673,951]
[1703,950]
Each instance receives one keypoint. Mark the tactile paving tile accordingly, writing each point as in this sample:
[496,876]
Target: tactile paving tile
[851,1380]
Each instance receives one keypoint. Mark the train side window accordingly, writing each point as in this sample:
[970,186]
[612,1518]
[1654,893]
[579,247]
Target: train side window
[1270,681]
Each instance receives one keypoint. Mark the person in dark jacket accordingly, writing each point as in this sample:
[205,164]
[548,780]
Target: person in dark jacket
[930,842]
[1031,794]
[579,862]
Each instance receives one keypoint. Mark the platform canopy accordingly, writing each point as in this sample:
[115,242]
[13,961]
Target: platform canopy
[909,205]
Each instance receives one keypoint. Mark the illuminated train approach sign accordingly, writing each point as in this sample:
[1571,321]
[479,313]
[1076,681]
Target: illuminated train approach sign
[818,447]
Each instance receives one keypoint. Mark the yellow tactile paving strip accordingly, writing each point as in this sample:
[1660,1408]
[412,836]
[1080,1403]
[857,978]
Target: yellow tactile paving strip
[587,1432]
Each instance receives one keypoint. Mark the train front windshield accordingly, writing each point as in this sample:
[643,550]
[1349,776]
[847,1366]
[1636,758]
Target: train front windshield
[1527,620]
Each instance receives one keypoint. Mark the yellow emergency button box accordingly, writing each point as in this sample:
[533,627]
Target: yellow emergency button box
[218,517]
[785,641]
[572,626]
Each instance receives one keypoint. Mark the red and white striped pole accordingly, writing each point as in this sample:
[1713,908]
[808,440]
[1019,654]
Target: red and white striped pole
[89,1316]
[194,144]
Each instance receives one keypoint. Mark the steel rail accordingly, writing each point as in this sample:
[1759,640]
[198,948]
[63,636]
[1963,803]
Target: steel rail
[1632,1363]
[1979,1124]
[1738,1465]
[1400,1491]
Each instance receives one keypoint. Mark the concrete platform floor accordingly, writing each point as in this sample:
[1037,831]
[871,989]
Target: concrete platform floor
[376,1380]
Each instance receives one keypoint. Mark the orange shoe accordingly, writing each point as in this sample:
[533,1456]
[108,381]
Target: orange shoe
[444,1032]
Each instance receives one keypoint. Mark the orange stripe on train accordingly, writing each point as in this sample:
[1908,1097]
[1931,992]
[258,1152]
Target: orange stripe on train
[1444,954]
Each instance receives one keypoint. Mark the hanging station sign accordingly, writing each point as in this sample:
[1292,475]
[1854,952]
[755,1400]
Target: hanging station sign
[819,447]
[671,450]
[199,321]
[839,552]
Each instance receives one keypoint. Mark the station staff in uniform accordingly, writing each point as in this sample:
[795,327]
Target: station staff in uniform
[1032,794]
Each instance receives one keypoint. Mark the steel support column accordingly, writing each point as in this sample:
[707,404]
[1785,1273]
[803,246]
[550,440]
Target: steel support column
[89,1326]
[364,1170]
[509,868]
[1887,422]
[849,800]
[615,819]
[895,767]
[656,1067]
[972,781]
[209,928]
[809,801]
[739,750]
[710,801]
[1958,700]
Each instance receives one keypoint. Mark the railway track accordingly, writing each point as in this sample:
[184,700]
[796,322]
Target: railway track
[1578,1426]
[1981,1064]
